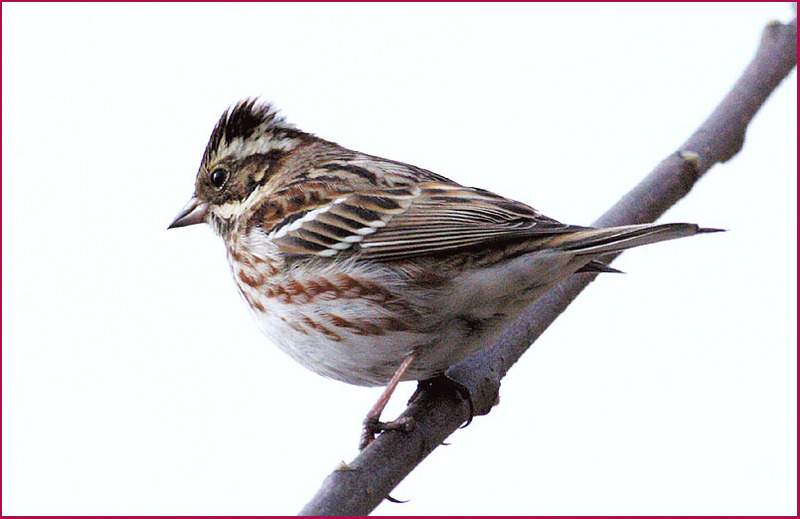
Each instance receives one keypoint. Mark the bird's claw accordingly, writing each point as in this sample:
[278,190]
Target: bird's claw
[373,426]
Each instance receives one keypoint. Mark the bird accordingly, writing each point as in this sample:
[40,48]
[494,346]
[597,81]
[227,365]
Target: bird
[371,271]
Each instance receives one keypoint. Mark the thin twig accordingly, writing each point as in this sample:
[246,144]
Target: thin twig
[360,487]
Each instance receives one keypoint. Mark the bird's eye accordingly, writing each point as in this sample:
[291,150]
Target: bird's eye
[218,177]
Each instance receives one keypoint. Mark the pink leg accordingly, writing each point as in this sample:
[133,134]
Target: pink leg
[372,423]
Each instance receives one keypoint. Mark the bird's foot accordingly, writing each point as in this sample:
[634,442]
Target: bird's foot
[373,426]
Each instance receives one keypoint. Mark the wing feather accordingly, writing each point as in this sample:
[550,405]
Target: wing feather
[412,220]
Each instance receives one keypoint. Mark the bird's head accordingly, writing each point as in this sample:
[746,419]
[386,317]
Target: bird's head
[244,151]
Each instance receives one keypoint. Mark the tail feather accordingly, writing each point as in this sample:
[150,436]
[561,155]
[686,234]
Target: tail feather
[595,266]
[596,242]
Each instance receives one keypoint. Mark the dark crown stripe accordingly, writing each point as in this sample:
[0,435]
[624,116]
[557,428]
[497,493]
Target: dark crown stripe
[243,120]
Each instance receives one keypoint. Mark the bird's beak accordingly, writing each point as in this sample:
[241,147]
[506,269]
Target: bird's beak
[194,212]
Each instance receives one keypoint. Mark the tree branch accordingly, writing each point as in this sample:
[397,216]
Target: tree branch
[439,410]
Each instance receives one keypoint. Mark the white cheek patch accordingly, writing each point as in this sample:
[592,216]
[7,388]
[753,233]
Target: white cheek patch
[228,211]
[234,209]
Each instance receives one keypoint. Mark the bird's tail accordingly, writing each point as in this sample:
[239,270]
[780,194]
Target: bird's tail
[596,242]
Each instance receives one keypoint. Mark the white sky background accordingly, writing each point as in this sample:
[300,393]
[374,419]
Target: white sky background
[135,382]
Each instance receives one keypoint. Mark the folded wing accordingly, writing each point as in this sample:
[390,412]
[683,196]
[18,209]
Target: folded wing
[410,221]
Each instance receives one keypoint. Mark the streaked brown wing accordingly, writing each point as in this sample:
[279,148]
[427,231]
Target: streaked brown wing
[411,221]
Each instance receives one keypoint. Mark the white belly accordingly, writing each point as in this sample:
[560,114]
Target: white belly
[356,323]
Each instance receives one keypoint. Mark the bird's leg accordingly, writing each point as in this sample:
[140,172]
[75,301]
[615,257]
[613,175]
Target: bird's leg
[372,423]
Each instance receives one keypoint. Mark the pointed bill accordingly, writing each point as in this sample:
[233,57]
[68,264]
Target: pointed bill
[193,213]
